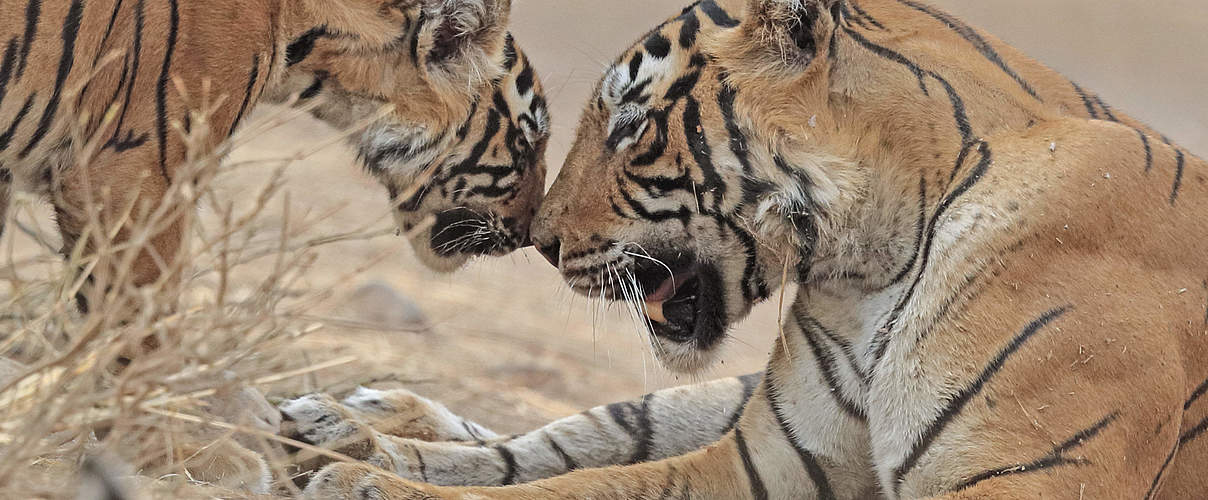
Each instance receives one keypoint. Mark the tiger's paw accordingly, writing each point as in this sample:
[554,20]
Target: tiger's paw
[402,413]
[346,481]
[320,420]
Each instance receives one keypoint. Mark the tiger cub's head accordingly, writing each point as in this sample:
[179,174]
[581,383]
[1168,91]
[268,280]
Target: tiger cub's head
[460,146]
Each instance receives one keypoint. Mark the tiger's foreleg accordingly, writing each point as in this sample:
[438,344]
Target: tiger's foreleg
[761,458]
[115,220]
[435,446]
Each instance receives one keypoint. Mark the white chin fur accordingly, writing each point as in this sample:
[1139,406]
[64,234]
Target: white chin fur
[684,358]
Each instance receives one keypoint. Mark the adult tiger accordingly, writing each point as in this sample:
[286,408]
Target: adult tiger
[999,297]
[91,90]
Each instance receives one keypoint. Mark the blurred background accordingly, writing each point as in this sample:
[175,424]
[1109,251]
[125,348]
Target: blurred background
[503,341]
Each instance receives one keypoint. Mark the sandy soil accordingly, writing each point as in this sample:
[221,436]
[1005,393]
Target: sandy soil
[507,344]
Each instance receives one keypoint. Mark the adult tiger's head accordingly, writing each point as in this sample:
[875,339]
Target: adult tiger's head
[650,204]
[721,151]
[455,130]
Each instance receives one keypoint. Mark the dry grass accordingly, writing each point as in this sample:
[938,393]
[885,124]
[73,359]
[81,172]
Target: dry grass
[69,400]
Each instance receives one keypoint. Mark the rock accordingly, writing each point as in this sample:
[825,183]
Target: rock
[379,306]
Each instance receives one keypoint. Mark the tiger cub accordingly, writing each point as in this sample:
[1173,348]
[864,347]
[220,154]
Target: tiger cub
[98,98]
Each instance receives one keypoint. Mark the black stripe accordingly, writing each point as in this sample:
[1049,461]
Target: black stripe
[698,143]
[413,46]
[844,346]
[509,462]
[892,56]
[688,30]
[247,94]
[117,7]
[683,215]
[812,467]
[618,413]
[464,129]
[657,45]
[6,67]
[979,43]
[473,434]
[635,65]
[1196,395]
[826,364]
[33,10]
[919,227]
[1153,485]
[847,14]
[866,16]
[958,402]
[1086,100]
[100,50]
[1055,458]
[718,15]
[682,86]
[7,137]
[1180,162]
[1194,432]
[749,382]
[300,49]
[524,81]
[567,461]
[1148,150]
[423,466]
[880,341]
[753,286]
[309,92]
[1107,110]
[758,490]
[161,89]
[635,94]
[645,442]
[958,104]
[71,28]
[131,69]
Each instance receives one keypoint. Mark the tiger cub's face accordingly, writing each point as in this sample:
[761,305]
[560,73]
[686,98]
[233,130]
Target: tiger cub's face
[652,202]
[461,156]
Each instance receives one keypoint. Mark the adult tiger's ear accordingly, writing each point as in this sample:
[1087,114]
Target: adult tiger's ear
[465,36]
[786,34]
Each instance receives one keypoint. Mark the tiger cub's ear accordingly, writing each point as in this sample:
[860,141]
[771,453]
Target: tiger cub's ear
[464,37]
[786,34]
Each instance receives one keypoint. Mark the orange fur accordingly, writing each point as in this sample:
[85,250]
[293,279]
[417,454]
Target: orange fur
[1002,278]
[114,87]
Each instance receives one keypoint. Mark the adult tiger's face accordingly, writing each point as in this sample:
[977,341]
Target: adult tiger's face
[458,143]
[652,202]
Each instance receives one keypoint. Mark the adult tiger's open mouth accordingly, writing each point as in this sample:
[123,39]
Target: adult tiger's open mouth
[686,306]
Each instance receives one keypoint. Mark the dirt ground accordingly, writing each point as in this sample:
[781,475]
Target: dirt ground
[506,343]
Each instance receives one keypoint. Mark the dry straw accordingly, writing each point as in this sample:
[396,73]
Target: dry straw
[67,403]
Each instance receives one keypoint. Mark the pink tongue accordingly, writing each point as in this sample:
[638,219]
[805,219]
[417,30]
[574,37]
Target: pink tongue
[664,292]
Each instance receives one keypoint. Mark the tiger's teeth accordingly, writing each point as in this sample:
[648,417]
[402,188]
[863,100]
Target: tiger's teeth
[654,311]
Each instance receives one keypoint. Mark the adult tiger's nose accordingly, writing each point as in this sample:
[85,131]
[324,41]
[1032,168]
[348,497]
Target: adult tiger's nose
[550,251]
